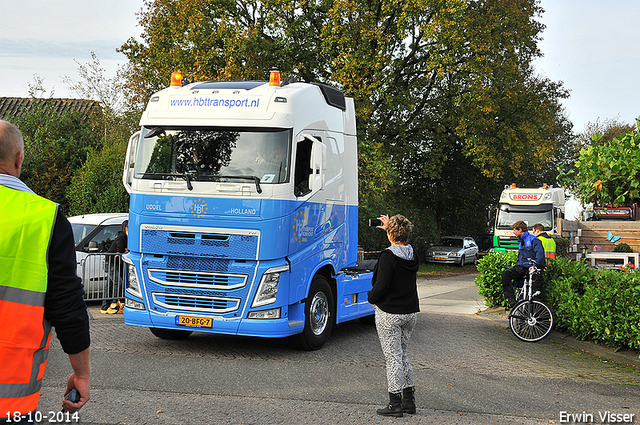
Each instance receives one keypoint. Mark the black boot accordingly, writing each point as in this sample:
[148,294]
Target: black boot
[409,400]
[394,408]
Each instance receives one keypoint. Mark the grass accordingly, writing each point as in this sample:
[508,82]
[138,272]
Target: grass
[444,270]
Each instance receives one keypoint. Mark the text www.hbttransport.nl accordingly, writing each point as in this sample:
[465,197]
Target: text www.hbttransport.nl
[216,103]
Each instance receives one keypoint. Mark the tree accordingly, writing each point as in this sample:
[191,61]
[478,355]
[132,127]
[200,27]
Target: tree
[607,129]
[607,173]
[96,187]
[433,80]
[56,145]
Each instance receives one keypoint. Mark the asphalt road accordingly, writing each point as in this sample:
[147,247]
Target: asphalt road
[469,369]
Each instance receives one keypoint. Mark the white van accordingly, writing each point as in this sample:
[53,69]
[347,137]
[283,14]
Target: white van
[93,235]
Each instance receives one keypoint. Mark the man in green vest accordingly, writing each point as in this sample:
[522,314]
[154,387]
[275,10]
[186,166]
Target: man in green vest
[547,241]
[38,289]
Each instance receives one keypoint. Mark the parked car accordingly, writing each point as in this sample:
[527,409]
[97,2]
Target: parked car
[485,243]
[93,235]
[459,250]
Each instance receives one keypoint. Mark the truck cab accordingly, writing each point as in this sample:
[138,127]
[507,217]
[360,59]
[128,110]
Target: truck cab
[542,205]
[243,213]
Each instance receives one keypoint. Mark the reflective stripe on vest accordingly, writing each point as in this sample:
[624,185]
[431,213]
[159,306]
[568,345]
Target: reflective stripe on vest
[27,222]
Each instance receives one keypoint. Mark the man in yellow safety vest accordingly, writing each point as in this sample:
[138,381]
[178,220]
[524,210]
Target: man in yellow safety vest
[38,289]
[547,241]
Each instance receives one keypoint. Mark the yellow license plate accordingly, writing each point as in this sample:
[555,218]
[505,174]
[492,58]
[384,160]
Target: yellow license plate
[441,258]
[198,322]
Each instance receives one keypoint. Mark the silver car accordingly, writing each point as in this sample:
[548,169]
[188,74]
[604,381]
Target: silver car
[458,250]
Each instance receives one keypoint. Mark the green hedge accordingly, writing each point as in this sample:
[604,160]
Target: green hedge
[589,304]
[489,282]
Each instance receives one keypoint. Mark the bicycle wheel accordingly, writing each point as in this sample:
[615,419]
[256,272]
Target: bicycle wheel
[531,321]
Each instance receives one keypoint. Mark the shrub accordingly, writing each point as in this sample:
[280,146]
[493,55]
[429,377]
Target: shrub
[578,273]
[610,309]
[622,247]
[562,246]
[490,280]
[589,304]
[565,284]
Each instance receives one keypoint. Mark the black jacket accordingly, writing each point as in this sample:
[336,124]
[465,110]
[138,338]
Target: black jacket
[63,305]
[394,284]
[118,245]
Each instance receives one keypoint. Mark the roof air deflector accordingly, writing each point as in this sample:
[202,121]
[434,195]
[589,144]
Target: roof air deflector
[228,85]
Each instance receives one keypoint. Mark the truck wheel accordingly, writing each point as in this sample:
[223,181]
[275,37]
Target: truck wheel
[318,315]
[170,333]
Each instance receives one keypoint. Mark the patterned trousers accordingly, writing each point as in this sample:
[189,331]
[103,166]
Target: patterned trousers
[394,331]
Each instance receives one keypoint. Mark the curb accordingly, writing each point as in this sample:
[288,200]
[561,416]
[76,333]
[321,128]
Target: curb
[624,356]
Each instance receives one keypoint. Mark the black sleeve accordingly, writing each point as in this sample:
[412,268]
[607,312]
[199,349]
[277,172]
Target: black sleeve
[119,244]
[64,307]
[382,277]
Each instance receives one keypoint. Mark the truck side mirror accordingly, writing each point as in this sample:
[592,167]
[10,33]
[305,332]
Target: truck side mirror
[130,161]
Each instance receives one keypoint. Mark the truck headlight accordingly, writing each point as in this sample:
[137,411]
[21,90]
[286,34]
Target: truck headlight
[133,284]
[268,289]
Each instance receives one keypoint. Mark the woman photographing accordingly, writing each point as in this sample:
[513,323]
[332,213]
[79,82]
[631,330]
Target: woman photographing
[395,297]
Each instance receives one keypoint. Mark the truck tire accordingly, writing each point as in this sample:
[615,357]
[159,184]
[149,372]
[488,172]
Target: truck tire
[170,333]
[318,315]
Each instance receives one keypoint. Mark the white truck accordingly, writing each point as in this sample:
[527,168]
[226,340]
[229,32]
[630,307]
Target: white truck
[542,205]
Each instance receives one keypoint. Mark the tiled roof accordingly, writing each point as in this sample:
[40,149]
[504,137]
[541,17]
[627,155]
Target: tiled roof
[12,106]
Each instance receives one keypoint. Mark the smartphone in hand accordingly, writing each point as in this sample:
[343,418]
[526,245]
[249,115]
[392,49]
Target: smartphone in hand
[73,396]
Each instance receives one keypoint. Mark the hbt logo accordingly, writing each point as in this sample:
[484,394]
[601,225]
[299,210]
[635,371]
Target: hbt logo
[199,208]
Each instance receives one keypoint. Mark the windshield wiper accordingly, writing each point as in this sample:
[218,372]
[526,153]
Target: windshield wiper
[254,178]
[187,177]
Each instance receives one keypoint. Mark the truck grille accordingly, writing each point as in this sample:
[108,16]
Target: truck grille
[196,303]
[199,269]
[200,244]
[201,280]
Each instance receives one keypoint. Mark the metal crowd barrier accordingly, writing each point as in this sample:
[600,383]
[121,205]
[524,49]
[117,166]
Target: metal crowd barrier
[97,271]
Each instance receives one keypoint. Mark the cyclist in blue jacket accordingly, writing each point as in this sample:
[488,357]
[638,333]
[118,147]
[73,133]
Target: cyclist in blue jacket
[530,248]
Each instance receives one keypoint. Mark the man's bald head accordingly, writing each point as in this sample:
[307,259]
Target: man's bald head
[11,149]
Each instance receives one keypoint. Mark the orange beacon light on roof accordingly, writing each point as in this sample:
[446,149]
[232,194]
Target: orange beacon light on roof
[274,78]
[176,79]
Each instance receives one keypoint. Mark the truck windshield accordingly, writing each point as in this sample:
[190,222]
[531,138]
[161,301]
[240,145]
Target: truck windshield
[214,154]
[506,218]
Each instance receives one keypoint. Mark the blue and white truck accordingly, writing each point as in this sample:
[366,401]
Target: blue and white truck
[243,217]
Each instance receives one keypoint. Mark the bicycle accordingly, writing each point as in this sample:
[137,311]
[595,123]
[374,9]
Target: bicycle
[530,320]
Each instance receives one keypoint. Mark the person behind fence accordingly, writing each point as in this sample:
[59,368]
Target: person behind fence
[548,243]
[115,272]
[394,295]
[38,289]
[530,248]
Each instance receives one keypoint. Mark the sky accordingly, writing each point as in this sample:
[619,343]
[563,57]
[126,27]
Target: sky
[592,46]
[47,37]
